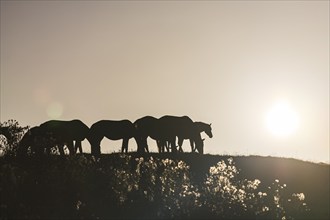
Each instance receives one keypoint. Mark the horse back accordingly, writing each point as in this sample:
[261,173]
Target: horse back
[113,129]
[176,125]
[147,126]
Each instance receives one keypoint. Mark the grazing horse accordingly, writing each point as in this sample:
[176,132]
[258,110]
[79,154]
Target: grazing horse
[148,126]
[65,132]
[181,127]
[113,130]
[37,140]
[197,127]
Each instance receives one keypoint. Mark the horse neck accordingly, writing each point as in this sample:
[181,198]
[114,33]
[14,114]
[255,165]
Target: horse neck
[201,126]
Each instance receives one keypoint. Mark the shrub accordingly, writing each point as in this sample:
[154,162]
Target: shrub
[226,196]
[127,187]
[11,134]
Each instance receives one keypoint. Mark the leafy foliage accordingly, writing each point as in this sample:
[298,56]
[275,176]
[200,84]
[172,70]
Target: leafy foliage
[129,187]
[229,197]
[10,135]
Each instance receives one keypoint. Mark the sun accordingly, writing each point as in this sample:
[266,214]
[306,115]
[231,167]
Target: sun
[282,120]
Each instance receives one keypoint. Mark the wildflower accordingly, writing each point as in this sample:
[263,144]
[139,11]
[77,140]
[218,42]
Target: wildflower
[301,196]
[181,164]
[265,209]
[213,170]
[78,205]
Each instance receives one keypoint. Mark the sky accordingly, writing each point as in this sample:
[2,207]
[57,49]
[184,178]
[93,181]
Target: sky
[257,70]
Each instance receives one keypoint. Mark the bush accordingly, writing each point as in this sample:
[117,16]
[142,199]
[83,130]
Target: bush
[127,187]
[10,135]
[226,196]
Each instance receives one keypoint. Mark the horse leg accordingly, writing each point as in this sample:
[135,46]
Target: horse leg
[61,149]
[167,146]
[78,146]
[72,149]
[124,147]
[173,146]
[160,146]
[95,145]
[192,144]
[180,142]
[142,145]
[96,149]
[146,147]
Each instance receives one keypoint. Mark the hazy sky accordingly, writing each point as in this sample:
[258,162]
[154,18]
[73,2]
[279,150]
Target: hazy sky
[232,64]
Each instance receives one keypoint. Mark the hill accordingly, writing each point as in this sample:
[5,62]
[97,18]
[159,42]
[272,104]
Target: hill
[159,186]
[313,179]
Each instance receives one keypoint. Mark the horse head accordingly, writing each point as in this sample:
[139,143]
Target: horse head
[208,130]
[28,140]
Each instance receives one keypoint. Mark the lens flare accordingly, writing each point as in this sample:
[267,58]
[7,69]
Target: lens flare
[41,96]
[55,110]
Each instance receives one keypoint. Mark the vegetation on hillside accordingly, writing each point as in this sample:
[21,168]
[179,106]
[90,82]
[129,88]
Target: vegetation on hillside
[125,186]
[10,135]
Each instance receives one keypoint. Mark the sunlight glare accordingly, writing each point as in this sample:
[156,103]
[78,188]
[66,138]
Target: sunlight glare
[282,120]
[55,110]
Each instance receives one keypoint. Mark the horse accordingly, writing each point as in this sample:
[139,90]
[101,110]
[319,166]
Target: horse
[184,128]
[197,127]
[113,130]
[65,132]
[37,140]
[149,126]
[177,126]
[165,130]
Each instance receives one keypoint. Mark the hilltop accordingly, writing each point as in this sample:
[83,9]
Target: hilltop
[79,185]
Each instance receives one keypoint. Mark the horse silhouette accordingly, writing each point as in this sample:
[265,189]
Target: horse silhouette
[113,130]
[37,140]
[65,132]
[182,127]
[165,130]
[148,126]
[198,127]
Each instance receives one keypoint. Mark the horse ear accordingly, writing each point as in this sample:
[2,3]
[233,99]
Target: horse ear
[210,124]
